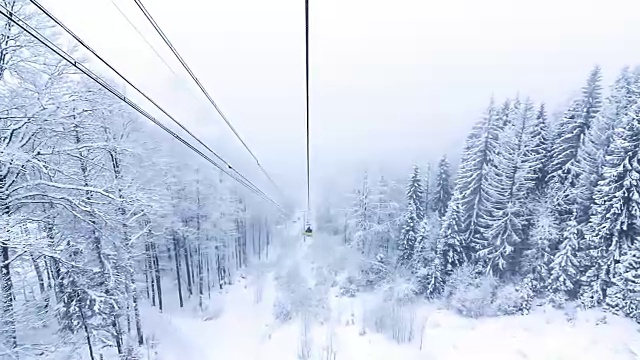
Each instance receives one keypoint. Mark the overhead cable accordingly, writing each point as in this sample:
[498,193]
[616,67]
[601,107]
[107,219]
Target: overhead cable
[135,28]
[306,48]
[11,16]
[204,91]
[184,128]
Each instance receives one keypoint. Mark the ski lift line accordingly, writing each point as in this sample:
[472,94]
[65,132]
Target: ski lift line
[143,37]
[11,16]
[153,49]
[164,37]
[306,17]
[88,48]
[308,232]
[306,21]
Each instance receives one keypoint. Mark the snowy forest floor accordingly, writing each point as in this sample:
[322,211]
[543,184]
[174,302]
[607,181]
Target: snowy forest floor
[239,323]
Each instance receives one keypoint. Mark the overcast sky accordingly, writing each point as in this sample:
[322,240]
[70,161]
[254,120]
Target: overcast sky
[393,82]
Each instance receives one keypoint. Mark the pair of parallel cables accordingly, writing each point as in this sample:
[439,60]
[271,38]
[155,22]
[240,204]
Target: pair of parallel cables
[225,167]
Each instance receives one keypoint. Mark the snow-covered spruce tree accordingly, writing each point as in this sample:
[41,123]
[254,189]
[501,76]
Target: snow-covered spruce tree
[540,224]
[598,138]
[452,248]
[509,182]
[498,238]
[386,213]
[363,221]
[624,295]
[412,218]
[571,133]
[349,220]
[501,257]
[442,191]
[507,113]
[462,226]
[371,223]
[408,236]
[614,225]
[529,157]
[415,193]
[539,148]
[624,93]
[543,236]
[425,265]
[564,271]
[428,190]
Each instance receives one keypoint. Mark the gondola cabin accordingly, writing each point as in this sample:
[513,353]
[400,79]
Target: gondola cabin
[308,231]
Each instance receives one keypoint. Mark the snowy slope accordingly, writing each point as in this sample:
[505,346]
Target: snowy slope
[246,329]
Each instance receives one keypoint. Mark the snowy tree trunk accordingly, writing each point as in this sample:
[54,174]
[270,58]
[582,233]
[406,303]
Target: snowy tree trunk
[6,281]
[238,245]
[219,267]
[253,239]
[243,234]
[156,264]
[87,333]
[149,273]
[208,264]
[200,278]
[268,235]
[136,311]
[44,294]
[259,241]
[54,264]
[187,265]
[146,276]
[38,270]
[193,257]
[131,284]
[176,250]
[345,230]
[95,238]
[50,283]
[117,332]
[8,314]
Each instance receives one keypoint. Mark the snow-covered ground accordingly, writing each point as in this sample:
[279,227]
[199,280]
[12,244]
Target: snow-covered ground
[240,325]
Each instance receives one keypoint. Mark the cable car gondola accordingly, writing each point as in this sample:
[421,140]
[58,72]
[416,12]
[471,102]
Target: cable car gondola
[308,231]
